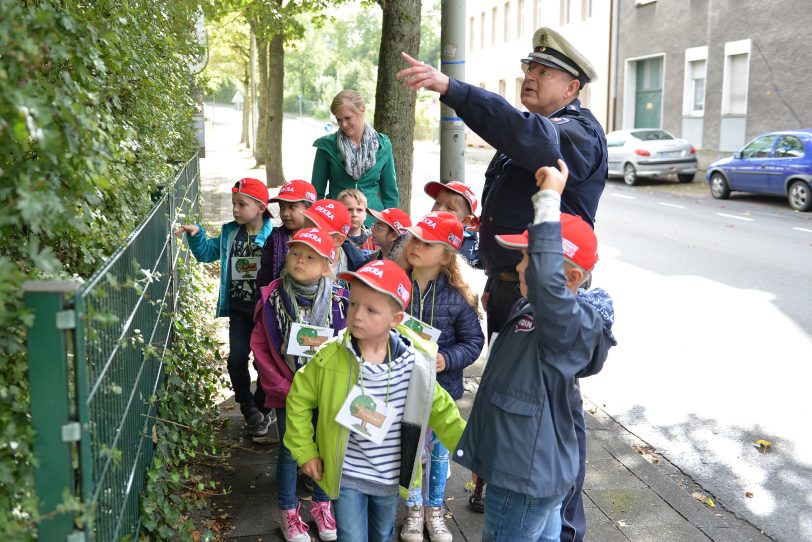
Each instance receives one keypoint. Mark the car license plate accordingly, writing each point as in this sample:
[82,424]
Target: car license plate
[668,154]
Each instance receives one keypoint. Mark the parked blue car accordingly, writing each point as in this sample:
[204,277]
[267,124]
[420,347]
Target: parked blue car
[778,163]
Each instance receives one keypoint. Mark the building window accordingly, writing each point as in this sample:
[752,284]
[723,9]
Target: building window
[586,9]
[507,21]
[493,26]
[536,14]
[566,5]
[519,18]
[698,86]
[502,88]
[471,34]
[735,80]
[482,31]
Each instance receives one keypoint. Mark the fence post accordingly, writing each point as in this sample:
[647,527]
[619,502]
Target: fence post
[52,414]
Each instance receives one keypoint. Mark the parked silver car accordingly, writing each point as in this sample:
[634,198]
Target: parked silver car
[649,151]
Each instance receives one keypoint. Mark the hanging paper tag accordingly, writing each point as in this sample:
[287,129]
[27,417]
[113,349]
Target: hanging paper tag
[304,340]
[366,416]
[421,328]
[244,267]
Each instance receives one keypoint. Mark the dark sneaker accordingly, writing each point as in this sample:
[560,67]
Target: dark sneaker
[255,421]
[477,498]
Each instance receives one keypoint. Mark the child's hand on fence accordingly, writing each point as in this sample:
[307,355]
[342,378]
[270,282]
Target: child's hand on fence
[191,229]
[314,468]
[550,178]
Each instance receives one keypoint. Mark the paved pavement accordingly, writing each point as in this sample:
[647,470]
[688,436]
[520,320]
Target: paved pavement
[631,493]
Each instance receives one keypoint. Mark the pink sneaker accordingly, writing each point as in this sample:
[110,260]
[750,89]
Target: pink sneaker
[325,520]
[293,528]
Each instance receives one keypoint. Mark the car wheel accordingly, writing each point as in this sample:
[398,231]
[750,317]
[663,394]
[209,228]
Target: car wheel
[799,196]
[685,177]
[629,174]
[719,187]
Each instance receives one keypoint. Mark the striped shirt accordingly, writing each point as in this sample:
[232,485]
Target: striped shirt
[366,461]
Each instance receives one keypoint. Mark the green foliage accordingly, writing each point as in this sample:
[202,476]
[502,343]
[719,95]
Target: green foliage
[185,430]
[96,100]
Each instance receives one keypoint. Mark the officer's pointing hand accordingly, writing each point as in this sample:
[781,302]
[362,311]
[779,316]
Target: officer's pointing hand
[419,75]
[550,178]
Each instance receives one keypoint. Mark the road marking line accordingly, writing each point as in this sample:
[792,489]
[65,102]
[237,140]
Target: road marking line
[623,196]
[674,205]
[803,229]
[736,217]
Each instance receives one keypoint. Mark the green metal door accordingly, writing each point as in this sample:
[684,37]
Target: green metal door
[649,93]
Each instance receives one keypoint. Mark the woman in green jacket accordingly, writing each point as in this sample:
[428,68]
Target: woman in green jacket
[356,156]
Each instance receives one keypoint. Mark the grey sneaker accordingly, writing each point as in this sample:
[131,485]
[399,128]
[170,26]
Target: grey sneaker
[412,530]
[435,525]
[255,421]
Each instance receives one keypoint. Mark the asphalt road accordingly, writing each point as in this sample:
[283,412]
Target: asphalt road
[714,324]
[713,313]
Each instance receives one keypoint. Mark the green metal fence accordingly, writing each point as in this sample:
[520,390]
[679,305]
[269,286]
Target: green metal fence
[95,360]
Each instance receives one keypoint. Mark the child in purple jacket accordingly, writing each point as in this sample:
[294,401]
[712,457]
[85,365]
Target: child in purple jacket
[297,312]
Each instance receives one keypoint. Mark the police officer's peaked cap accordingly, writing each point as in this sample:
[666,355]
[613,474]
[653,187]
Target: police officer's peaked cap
[551,49]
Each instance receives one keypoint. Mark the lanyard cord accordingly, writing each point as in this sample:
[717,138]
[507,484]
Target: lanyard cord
[297,316]
[433,297]
[388,373]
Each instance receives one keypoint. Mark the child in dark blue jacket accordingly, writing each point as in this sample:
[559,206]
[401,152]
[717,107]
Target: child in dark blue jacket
[521,433]
[443,309]
[458,199]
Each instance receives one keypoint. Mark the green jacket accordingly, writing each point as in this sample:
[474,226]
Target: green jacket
[324,383]
[378,184]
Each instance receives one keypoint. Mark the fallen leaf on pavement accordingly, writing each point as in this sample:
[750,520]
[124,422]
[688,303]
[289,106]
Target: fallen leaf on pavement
[763,446]
[648,453]
[707,501]
[469,486]
[748,494]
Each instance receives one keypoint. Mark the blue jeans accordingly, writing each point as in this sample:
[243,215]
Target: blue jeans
[365,518]
[286,468]
[436,473]
[515,517]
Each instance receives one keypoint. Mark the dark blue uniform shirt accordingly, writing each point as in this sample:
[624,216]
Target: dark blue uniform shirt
[524,142]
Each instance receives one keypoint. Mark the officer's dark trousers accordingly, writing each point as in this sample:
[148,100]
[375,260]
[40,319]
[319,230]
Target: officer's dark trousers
[240,326]
[573,521]
[502,295]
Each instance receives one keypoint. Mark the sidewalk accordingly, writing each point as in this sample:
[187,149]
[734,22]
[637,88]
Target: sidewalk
[629,496]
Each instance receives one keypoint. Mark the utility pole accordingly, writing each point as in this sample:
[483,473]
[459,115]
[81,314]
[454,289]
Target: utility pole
[452,63]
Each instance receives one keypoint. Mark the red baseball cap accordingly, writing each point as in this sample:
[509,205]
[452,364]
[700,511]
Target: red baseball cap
[330,215]
[296,190]
[384,276]
[433,188]
[254,189]
[578,241]
[393,217]
[439,227]
[317,239]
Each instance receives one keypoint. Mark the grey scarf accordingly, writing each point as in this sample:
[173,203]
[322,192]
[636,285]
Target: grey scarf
[361,158]
[317,297]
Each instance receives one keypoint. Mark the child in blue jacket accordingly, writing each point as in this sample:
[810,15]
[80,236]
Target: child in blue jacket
[238,248]
[442,300]
[521,434]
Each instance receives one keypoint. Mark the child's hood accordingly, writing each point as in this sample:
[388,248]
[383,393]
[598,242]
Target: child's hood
[598,299]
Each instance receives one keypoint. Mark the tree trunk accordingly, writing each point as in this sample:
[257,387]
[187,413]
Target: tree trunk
[246,118]
[260,148]
[395,104]
[274,175]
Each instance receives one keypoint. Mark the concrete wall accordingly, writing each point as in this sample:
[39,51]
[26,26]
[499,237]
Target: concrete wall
[779,90]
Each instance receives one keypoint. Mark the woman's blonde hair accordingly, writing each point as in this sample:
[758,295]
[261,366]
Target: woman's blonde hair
[346,98]
[453,272]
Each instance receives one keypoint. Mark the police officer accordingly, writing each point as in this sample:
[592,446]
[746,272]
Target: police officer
[554,126]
